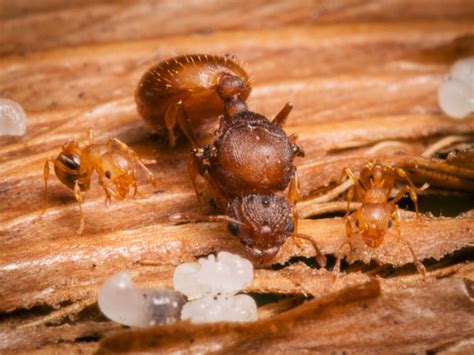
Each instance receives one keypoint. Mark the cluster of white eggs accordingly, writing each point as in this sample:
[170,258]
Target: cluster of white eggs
[456,93]
[210,286]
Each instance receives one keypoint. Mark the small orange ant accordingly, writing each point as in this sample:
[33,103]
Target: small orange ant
[114,162]
[376,214]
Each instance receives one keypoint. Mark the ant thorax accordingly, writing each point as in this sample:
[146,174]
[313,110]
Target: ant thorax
[375,194]
[251,155]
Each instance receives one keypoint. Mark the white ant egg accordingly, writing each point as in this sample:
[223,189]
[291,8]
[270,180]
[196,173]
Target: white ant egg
[456,93]
[210,309]
[120,301]
[12,118]
[227,274]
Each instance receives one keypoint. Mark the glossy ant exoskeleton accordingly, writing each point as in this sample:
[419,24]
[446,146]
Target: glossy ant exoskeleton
[114,162]
[377,214]
[189,87]
[250,155]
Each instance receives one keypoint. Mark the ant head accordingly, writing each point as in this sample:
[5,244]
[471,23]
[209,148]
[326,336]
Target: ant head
[378,173]
[374,223]
[68,163]
[266,224]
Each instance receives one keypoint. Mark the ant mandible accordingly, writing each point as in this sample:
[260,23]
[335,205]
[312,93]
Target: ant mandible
[376,214]
[189,87]
[114,162]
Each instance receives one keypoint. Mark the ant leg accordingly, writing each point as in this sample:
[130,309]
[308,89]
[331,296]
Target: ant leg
[348,239]
[352,189]
[185,124]
[396,223]
[297,150]
[350,196]
[194,218]
[136,160]
[45,177]
[412,189]
[293,196]
[282,116]
[108,192]
[294,189]
[77,193]
[170,122]
[419,265]
[90,136]
[413,197]
[320,257]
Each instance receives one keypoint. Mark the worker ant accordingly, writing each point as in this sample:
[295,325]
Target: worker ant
[376,214]
[114,162]
[189,87]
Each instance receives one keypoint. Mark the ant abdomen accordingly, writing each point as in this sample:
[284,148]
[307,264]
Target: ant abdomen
[189,87]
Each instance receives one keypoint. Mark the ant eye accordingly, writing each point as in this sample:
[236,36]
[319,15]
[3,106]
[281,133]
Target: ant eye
[290,227]
[233,228]
[72,162]
[107,174]
[389,224]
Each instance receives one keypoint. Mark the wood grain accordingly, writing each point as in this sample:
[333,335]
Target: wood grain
[358,72]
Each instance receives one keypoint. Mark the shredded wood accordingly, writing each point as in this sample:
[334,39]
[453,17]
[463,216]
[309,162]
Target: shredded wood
[362,92]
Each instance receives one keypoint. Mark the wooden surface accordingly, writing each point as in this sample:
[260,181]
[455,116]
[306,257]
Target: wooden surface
[359,73]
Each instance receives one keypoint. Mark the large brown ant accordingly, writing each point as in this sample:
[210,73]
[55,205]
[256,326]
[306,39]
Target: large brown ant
[189,87]
[377,215]
[114,162]
[251,159]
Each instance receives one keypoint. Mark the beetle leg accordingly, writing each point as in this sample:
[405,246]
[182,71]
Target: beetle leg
[193,172]
[77,193]
[282,116]
[170,122]
[185,124]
